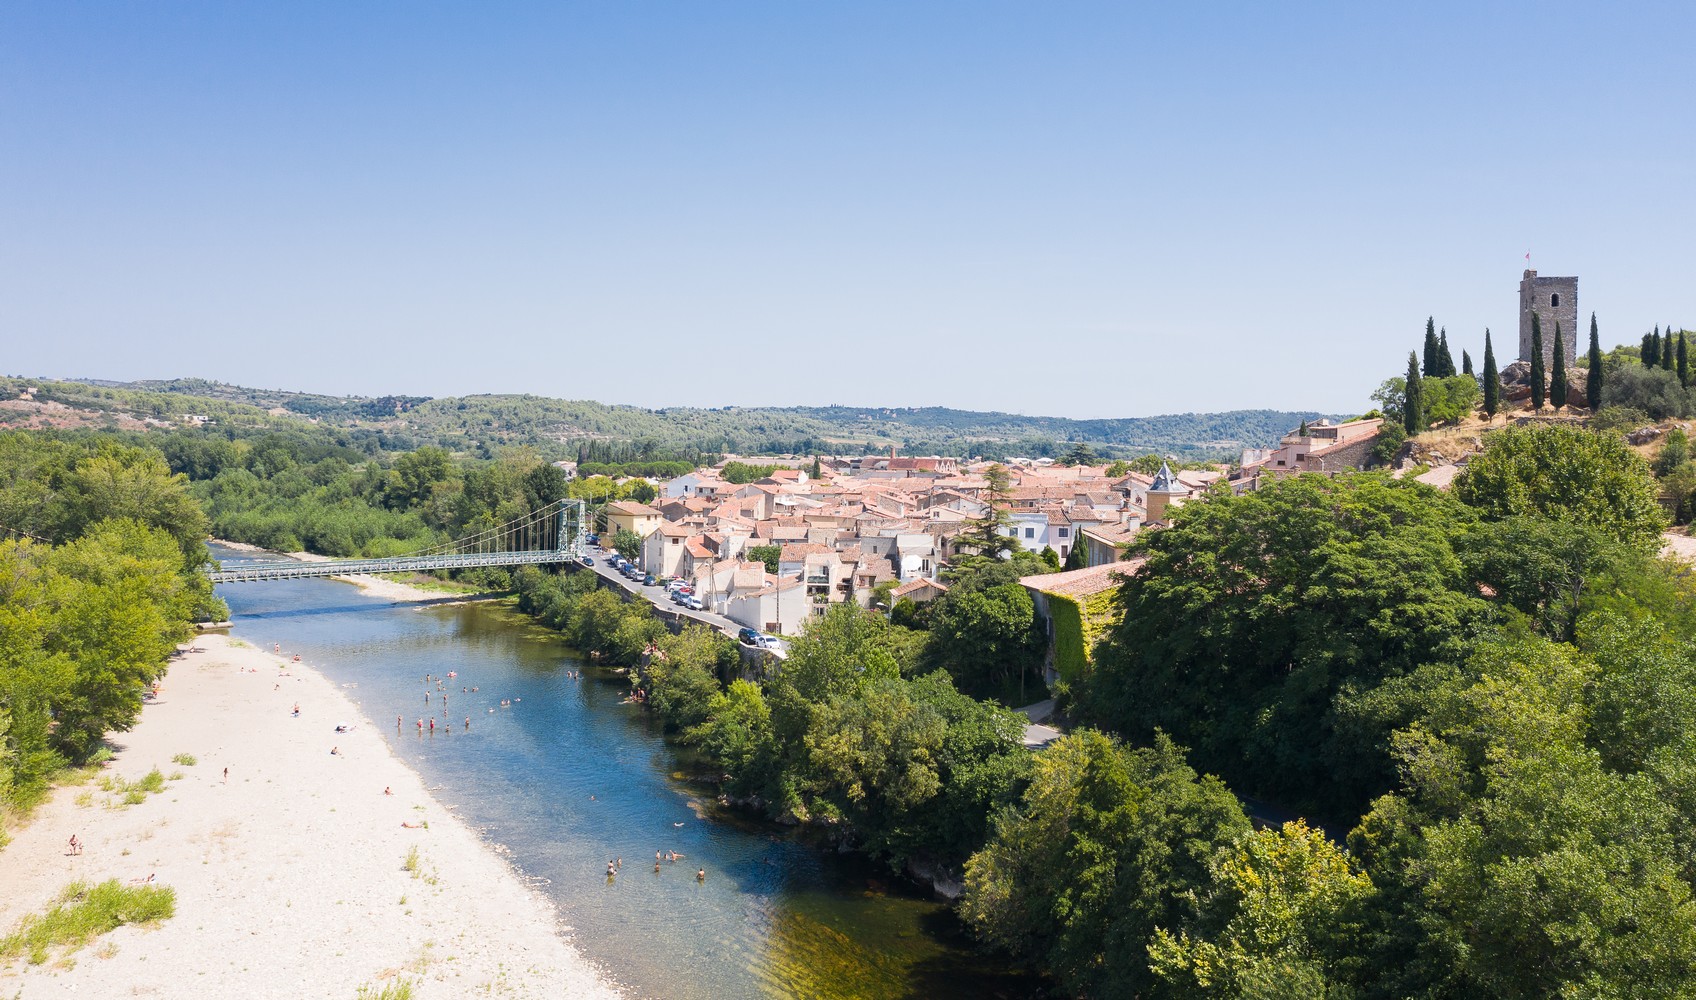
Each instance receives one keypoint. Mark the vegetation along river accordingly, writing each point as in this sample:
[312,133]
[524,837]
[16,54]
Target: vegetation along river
[567,777]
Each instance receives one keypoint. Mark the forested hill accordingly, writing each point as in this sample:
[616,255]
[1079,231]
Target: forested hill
[567,427]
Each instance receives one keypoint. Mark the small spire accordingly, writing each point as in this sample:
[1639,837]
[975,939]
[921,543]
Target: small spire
[1163,480]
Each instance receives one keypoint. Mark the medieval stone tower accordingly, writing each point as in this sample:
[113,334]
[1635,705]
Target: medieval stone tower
[1554,300]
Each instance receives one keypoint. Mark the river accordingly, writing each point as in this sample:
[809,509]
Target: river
[566,778]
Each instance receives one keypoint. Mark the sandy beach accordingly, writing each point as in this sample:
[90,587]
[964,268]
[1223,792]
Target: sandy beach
[290,874]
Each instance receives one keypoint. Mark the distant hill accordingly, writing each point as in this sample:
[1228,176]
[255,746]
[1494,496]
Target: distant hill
[573,427]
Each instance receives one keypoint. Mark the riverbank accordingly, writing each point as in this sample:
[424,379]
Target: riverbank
[292,874]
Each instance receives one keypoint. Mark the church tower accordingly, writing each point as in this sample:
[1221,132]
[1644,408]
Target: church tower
[1553,300]
[1165,492]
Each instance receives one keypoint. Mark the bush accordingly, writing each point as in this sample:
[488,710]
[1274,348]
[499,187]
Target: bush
[80,914]
[1655,391]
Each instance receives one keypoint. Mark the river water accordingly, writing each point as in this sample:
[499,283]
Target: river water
[566,778]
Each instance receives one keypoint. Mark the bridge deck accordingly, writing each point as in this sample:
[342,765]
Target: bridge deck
[256,572]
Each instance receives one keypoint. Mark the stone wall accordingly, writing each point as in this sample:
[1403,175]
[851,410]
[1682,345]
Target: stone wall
[1536,293]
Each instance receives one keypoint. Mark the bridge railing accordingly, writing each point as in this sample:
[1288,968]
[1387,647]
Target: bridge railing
[255,572]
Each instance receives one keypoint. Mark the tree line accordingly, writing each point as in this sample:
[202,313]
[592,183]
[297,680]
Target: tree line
[1480,698]
[101,551]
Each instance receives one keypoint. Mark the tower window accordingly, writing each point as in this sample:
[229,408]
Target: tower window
[1555,300]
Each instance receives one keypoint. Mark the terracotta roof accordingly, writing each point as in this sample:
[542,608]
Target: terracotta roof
[632,507]
[912,585]
[1082,582]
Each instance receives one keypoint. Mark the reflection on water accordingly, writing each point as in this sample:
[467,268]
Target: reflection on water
[566,778]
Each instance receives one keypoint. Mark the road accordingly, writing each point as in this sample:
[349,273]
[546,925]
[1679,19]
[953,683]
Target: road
[661,600]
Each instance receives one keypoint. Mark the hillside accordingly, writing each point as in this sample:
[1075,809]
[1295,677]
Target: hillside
[567,427]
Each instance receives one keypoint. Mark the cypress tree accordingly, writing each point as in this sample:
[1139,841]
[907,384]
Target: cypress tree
[1445,359]
[1557,384]
[1683,362]
[1413,402]
[1539,375]
[1465,363]
[1430,366]
[1492,381]
[1650,352]
[1593,381]
[1667,351]
[1654,348]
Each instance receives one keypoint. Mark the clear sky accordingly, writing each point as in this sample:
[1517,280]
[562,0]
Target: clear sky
[1073,209]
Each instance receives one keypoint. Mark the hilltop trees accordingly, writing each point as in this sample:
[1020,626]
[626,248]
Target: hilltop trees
[1539,375]
[1650,352]
[1594,378]
[1557,386]
[1429,366]
[1683,362]
[1413,399]
[1465,363]
[1445,360]
[1492,380]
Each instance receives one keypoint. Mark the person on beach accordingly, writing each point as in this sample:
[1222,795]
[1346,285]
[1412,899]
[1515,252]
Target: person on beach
[432,725]
[656,867]
[397,722]
[276,647]
[386,790]
[468,723]
[421,727]
[76,845]
[297,709]
[335,751]
[612,869]
[701,876]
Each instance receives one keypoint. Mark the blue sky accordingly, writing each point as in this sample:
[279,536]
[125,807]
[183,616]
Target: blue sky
[1073,209]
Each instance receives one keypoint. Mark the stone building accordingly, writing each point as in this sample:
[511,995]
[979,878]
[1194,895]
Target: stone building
[1554,300]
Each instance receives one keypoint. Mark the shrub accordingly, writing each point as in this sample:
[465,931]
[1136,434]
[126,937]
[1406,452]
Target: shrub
[80,914]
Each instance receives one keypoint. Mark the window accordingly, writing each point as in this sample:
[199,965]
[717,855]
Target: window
[1030,532]
[1554,300]
[1065,532]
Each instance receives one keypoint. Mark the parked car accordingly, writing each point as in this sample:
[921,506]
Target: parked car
[747,636]
[648,580]
[588,561]
[694,604]
[769,642]
[676,585]
[594,539]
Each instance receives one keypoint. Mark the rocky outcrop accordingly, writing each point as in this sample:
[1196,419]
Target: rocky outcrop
[1516,384]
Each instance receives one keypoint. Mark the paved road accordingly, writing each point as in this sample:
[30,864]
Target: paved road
[660,599]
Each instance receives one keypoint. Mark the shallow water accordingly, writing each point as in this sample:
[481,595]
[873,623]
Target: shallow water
[567,778]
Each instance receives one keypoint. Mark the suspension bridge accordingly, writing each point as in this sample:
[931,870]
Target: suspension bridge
[555,534]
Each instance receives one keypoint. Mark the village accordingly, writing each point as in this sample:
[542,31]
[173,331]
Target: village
[876,530]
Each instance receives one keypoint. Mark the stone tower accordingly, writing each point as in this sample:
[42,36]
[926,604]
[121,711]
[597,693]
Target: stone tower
[1554,300]
[1165,492]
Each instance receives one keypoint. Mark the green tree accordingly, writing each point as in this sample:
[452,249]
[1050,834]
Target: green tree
[1309,587]
[768,554]
[1413,408]
[1539,375]
[640,490]
[1282,916]
[1465,363]
[1683,362]
[1593,379]
[627,543]
[1675,451]
[1445,359]
[1100,853]
[1565,474]
[1557,385]
[985,638]
[1429,365]
[1650,351]
[1667,352]
[1080,454]
[1492,379]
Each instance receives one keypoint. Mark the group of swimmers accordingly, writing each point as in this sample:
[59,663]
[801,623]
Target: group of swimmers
[617,865]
